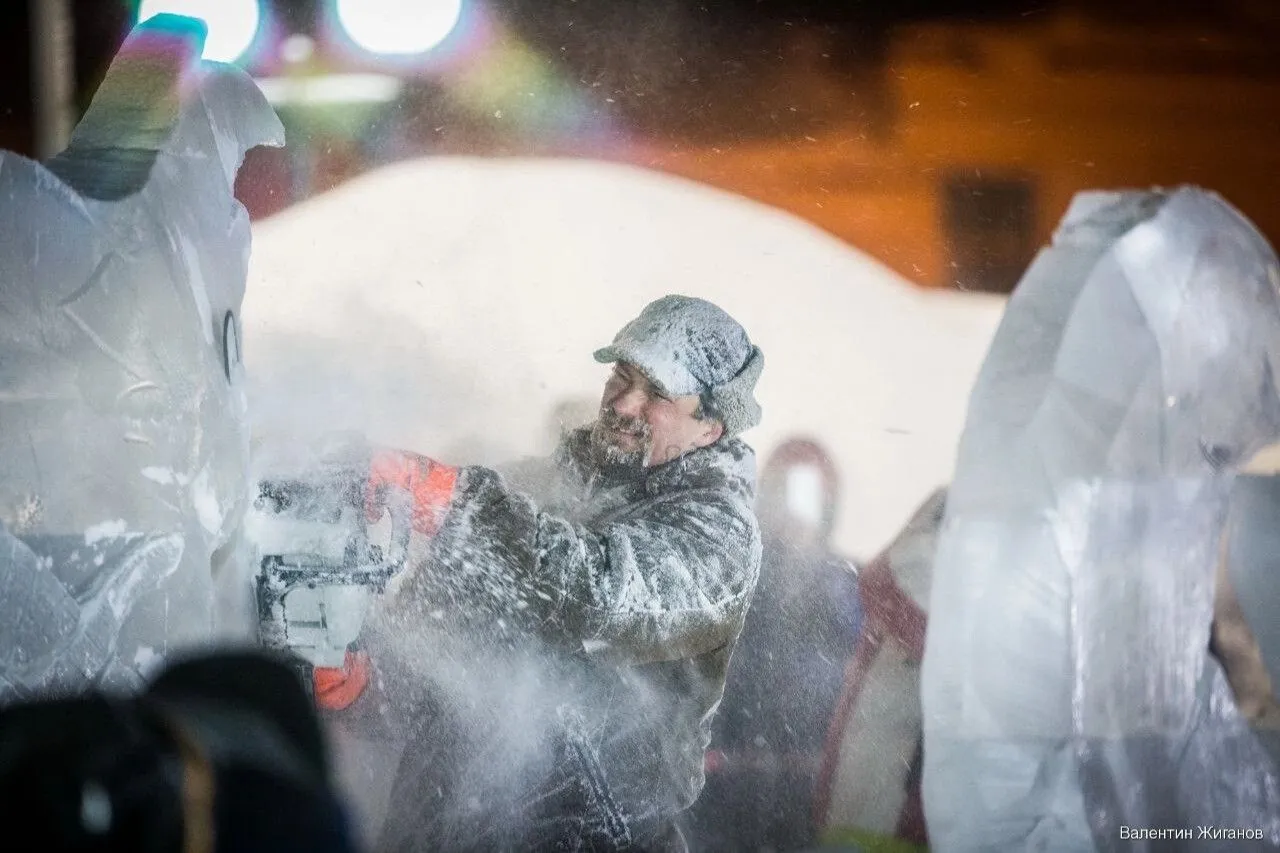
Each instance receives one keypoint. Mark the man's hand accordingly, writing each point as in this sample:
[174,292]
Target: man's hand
[337,687]
[399,478]
[417,491]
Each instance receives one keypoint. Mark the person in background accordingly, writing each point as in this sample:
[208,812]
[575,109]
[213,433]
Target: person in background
[868,793]
[788,668]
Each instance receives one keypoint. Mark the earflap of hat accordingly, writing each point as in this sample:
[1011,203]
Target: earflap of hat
[735,399]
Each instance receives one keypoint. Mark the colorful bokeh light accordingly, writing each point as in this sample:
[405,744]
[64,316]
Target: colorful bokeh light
[398,27]
[233,24]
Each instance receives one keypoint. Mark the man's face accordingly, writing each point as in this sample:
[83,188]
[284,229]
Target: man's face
[640,426]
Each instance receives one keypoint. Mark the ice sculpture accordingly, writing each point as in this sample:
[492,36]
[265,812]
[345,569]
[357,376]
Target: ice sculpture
[123,441]
[1070,699]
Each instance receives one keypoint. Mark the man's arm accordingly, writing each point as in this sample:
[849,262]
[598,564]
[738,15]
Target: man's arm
[669,582]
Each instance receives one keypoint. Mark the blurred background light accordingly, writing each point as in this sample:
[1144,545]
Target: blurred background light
[233,24]
[330,89]
[398,27]
[297,48]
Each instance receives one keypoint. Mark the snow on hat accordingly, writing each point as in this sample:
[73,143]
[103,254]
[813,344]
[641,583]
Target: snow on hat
[687,346]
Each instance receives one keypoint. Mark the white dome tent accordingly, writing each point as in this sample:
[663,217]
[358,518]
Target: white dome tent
[451,305]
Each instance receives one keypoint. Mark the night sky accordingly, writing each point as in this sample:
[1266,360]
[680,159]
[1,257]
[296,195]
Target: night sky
[683,67]
[619,42]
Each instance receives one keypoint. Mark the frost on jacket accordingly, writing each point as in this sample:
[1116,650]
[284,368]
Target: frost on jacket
[624,594]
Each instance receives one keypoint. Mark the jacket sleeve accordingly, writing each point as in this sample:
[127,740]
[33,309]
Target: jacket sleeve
[669,581]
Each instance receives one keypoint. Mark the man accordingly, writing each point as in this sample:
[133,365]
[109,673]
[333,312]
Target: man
[559,644]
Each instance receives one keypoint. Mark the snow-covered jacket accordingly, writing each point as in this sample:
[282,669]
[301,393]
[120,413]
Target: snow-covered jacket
[559,592]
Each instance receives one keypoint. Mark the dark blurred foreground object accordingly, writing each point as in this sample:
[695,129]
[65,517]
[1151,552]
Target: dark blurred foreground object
[222,752]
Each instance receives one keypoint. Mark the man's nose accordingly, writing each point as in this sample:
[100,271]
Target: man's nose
[629,402]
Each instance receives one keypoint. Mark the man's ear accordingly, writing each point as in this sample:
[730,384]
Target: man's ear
[710,434]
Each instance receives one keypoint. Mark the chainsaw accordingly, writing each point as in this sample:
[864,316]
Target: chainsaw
[320,563]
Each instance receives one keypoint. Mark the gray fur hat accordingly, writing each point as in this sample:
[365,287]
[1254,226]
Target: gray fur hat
[688,346]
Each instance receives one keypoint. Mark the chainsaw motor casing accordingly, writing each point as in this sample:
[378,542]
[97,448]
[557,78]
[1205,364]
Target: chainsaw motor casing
[319,563]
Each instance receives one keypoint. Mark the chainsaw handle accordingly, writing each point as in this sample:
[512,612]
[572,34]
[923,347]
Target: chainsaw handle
[396,507]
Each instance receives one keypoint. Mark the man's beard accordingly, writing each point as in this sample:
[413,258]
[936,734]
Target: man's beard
[606,450]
